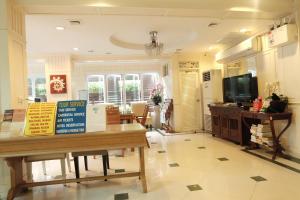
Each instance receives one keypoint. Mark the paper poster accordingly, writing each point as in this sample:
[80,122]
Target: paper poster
[71,117]
[40,119]
[95,119]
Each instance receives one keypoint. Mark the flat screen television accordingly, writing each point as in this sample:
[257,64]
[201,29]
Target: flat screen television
[239,89]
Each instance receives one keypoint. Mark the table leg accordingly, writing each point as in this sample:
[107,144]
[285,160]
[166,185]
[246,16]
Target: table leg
[276,144]
[16,176]
[142,169]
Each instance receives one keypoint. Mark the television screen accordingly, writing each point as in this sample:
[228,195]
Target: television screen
[239,88]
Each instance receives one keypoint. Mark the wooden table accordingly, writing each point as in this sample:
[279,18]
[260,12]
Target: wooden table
[127,116]
[277,148]
[14,146]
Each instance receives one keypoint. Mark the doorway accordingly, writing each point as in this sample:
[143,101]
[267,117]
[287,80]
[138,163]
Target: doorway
[190,101]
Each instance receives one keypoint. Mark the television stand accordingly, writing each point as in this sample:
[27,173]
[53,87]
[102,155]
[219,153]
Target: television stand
[227,123]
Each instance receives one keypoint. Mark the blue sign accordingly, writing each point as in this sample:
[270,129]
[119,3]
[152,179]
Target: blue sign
[71,117]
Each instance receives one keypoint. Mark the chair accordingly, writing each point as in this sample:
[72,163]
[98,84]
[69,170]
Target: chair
[142,119]
[14,116]
[112,117]
[138,110]
[30,159]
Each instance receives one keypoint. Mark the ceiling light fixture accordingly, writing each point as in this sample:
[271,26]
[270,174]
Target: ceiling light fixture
[154,48]
[103,4]
[60,28]
[244,9]
[76,49]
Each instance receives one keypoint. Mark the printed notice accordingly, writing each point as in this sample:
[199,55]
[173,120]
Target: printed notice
[40,119]
[71,117]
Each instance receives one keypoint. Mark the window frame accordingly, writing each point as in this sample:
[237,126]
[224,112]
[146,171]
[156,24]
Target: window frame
[123,85]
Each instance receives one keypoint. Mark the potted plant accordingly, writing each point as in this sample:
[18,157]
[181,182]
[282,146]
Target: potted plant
[157,96]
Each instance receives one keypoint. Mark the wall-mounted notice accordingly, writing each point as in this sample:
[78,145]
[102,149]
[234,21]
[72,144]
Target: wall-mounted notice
[40,119]
[71,117]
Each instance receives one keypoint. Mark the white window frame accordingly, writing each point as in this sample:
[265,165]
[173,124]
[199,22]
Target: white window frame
[123,93]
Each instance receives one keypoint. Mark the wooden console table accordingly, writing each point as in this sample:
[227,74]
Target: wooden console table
[226,122]
[277,148]
[14,146]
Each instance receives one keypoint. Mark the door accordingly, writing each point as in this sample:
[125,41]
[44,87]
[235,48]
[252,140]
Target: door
[190,101]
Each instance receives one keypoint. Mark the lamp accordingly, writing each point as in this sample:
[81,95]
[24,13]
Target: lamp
[154,48]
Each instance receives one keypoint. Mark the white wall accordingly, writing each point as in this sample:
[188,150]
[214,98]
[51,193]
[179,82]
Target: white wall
[81,71]
[283,64]
[58,65]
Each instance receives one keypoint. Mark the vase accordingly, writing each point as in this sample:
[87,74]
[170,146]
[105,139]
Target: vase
[156,117]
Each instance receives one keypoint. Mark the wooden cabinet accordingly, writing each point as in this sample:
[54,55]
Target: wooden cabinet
[227,123]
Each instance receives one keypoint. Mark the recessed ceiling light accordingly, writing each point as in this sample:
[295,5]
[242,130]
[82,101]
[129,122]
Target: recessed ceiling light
[101,5]
[244,30]
[211,48]
[60,28]
[76,49]
[243,9]
[94,61]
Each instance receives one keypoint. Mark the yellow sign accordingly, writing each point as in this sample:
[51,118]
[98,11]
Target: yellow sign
[40,119]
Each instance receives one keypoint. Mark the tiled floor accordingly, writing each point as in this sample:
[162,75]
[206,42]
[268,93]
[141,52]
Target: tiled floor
[199,174]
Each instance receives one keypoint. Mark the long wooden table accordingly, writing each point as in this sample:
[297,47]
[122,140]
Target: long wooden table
[14,146]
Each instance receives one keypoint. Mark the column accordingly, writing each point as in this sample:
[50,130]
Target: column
[13,69]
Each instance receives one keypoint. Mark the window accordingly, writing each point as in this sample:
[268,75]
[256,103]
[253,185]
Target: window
[96,89]
[114,89]
[40,87]
[132,88]
[121,89]
[149,81]
[29,87]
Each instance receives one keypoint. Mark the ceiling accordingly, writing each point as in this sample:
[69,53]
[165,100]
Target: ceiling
[180,24]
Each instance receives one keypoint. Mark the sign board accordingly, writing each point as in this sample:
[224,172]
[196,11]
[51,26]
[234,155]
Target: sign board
[71,117]
[58,84]
[40,119]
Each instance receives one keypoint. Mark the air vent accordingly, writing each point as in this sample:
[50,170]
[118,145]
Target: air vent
[212,24]
[206,76]
[74,22]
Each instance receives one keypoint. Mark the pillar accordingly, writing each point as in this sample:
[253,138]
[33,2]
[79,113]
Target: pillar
[13,68]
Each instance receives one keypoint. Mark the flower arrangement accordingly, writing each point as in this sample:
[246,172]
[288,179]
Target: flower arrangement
[156,94]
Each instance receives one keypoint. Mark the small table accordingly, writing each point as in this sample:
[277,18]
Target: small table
[277,148]
[127,117]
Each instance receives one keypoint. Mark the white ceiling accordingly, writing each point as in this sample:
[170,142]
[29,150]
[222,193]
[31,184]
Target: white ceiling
[180,24]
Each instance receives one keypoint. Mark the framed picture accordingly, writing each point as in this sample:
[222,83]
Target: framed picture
[58,84]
